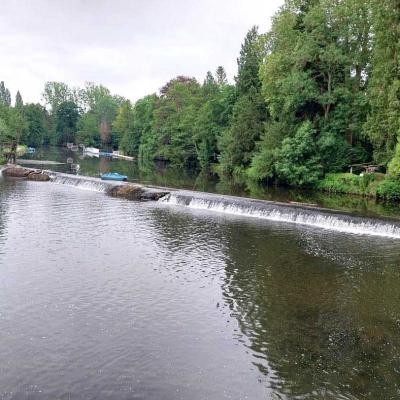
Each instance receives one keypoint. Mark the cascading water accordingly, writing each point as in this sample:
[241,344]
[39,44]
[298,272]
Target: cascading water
[274,211]
[281,212]
[84,182]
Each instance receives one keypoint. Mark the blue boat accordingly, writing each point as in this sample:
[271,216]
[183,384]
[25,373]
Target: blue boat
[105,154]
[113,176]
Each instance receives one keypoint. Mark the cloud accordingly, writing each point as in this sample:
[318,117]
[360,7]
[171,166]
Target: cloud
[131,46]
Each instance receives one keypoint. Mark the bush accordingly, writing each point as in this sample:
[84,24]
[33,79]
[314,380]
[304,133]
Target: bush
[350,183]
[298,163]
[389,189]
[394,165]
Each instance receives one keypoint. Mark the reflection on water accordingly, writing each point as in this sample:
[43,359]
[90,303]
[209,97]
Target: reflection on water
[102,298]
[163,175]
[322,315]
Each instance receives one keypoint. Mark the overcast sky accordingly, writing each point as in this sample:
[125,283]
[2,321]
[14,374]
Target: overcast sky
[131,46]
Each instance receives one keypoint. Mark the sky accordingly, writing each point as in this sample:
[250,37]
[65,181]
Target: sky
[133,47]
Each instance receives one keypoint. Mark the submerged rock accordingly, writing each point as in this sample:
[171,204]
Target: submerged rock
[153,195]
[17,172]
[136,192]
[130,192]
[26,173]
[38,177]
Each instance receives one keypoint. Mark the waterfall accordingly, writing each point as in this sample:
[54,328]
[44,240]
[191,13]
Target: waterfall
[84,182]
[281,212]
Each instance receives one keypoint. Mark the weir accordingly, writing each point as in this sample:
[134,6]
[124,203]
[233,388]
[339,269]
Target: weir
[127,190]
[82,182]
[288,213]
[269,210]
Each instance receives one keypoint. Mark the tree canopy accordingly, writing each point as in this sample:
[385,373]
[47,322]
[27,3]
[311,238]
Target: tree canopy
[319,91]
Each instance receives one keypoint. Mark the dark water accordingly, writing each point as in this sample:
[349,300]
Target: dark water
[164,175]
[102,298]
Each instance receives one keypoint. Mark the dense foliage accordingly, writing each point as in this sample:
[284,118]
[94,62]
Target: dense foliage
[318,92]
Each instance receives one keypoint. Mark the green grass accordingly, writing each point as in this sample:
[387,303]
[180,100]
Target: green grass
[365,185]
[389,189]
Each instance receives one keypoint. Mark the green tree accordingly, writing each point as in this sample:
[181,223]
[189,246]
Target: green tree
[383,125]
[16,124]
[123,130]
[18,101]
[5,96]
[221,76]
[88,130]
[315,68]
[298,163]
[143,125]
[174,118]
[237,144]
[66,122]
[98,100]
[56,93]
[35,133]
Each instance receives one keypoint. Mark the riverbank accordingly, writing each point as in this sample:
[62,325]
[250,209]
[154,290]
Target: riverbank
[21,151]
[373,185]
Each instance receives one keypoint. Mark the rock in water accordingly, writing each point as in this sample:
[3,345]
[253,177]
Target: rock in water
[136,192]
[130,192]
[17,172]
[153,195]
[38,177]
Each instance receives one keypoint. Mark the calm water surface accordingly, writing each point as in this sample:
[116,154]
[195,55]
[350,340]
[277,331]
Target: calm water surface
[102,298]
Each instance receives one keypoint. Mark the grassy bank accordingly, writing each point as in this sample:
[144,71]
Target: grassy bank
[369,185]
[21,150]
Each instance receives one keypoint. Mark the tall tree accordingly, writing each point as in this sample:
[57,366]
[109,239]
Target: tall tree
[5,96]
[383,125]
[56,93]
[174,118]
[237,144]
[221,76]
[315,69]
[18,101]
[35,133]
[123,127]
[66,122]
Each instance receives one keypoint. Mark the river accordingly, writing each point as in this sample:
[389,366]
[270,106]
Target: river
[103,298]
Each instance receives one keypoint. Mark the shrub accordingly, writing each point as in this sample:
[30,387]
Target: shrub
[298,163]
[389,189]
[350,183]
[394,165]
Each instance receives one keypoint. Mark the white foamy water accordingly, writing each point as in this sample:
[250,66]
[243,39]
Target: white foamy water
[84,183]
[323,219]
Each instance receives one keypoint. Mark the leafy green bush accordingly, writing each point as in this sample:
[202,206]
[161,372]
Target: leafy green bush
[389,189]
[298,163]
[394,165]
[350,183]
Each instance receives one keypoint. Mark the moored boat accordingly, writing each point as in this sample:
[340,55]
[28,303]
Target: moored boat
[113,176]
[92,150]
[105,154]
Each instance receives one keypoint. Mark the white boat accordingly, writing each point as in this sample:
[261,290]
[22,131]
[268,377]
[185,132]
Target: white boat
[120,155]
[92,150]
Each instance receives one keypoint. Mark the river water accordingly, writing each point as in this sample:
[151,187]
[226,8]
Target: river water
[103,298]
[164,175]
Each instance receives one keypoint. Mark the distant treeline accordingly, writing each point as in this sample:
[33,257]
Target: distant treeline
[318,92]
